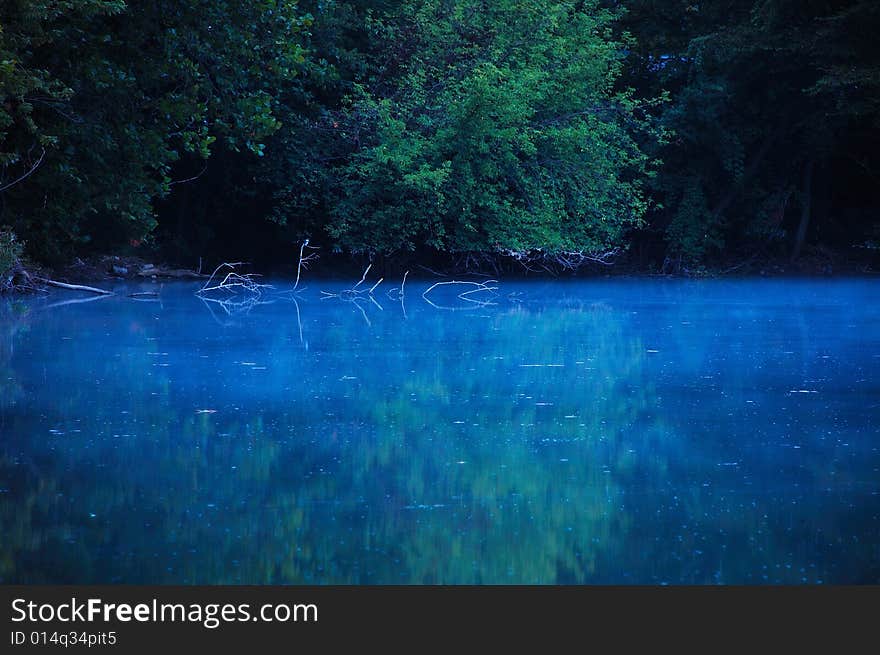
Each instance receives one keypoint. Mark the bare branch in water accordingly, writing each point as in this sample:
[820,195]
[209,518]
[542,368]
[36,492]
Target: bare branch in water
[354,292]
[304,260]
[234,282]
[216,270]
[364,277]
[396,293]
[75,287]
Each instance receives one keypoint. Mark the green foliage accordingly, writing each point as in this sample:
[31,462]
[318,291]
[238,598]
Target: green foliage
[488,127]
[101,98]
[10,253]
[694,231]
[456,125]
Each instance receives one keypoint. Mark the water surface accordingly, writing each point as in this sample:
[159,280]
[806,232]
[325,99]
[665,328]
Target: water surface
[610,431]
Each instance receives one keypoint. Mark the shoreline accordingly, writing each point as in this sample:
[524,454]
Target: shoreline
[131,268]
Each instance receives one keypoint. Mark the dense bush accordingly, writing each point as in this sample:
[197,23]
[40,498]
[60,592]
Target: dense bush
[491,127]
[10,257]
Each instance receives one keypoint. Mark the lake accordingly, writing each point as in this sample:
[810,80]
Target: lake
[622,431]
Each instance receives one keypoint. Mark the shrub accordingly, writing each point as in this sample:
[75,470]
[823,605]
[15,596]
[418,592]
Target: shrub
[10,250]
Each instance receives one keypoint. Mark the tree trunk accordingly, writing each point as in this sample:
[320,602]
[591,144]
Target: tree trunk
[805,210]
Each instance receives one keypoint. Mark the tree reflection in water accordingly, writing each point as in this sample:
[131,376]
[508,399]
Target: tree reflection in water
[592,435]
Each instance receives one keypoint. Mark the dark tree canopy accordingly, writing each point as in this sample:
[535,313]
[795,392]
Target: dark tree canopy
[773,103]
[695,131]
[101,98]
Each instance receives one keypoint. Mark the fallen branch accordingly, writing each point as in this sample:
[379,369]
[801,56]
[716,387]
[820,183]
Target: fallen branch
[75,287]
[233,282]
[478,287]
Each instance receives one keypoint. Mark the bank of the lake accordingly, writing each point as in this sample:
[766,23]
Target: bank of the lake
[110,267]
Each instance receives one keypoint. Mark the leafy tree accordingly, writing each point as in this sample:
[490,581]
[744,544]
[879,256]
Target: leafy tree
[101,98]
[492,127]
[516,128]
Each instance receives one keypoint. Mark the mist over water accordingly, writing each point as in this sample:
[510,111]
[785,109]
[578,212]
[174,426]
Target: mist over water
[605,431]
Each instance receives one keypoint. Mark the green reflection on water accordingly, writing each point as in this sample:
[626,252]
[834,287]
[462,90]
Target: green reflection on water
[578,439]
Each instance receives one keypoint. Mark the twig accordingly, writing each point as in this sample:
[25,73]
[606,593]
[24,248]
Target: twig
[480,286]
[230,265]
[194,177]
[303,261]
[26,175]
[396,293]
[351,294]
[233,281]
[299,264]
[364,277]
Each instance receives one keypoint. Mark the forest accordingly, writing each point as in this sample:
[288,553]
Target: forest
[667,136]
[439,292]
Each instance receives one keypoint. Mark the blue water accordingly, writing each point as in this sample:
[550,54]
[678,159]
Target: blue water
[607,431]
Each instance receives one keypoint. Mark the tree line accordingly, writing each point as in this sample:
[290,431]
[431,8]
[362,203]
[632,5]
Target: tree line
[549,133]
